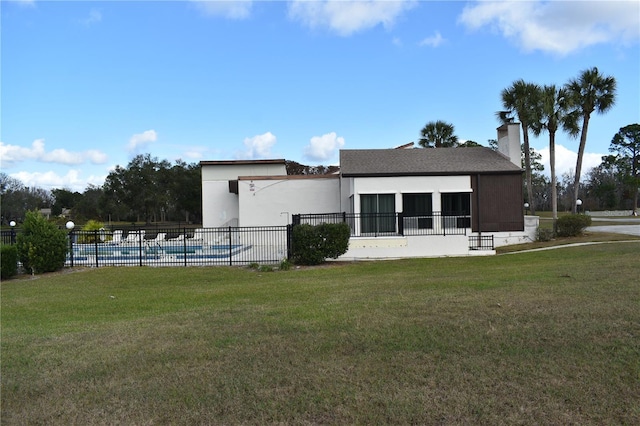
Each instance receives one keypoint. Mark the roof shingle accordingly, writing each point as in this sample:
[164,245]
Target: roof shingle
[424,161]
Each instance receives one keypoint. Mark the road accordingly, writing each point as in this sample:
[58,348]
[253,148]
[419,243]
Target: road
[618,229]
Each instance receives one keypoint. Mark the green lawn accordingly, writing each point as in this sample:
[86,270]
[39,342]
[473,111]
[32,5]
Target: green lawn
[549,337]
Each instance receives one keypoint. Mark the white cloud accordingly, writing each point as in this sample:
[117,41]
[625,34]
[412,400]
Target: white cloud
[323,148]
[566,161]
[348,17]
[433,41]
[30,3]
[236,9]
[12,154]
[140,141]
[258,146]
[50,180]
[559,27]
[94,17]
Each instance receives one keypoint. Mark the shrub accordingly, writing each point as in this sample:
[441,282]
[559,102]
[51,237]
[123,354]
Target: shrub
[544,234]
[573,225]
[312,245]
[8,261]
[42,247]
[91,232]
[285,265]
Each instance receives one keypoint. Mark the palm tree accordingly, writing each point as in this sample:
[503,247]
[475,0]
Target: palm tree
[438,134]
[553,111]
[521,99]
[590,92]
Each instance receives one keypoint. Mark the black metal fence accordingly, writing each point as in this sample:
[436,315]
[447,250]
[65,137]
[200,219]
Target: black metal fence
[156,246]
[175,247]
[481,242]
[389,224]
[186,247]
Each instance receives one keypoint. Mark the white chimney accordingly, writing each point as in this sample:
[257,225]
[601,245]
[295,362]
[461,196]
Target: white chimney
[509,142]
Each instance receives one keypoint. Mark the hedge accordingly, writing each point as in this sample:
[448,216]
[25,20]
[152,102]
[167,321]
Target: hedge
[42,247]
[572,225]
[8,261]
[312,245]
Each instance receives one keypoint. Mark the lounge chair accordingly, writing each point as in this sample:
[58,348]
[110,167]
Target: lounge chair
[160,236]
[134,237]
[116,238]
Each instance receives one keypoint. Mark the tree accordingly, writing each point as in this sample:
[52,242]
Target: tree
[469,144]
[553,112]
[626,143]
[18,199]
[603,184]
[438,134]
[153,190]
[64,199]
[522,99]
[295,168]
[590,92]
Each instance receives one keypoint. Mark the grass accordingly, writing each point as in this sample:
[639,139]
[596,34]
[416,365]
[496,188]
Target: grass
[549,337]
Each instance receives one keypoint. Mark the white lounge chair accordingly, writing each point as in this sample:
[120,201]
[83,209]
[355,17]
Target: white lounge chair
[134,237]
[160,236]
[116,237]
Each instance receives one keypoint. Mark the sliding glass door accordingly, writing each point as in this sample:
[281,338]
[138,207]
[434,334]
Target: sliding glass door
[378,213]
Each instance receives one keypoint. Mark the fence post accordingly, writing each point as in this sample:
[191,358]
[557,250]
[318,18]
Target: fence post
[140,246]
[230,251]
[184,245]
[70,246]
[289,238]
[95,244]
[401,223]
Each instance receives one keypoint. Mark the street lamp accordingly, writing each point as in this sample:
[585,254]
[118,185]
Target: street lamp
[578,204]
[70,225]
[526,207]
[12,224]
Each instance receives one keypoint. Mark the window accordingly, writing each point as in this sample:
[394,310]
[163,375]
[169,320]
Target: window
[418,206]
[378,213]
[456,204]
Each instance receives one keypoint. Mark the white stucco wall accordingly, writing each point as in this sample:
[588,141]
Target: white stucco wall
[268,202]
[219,206]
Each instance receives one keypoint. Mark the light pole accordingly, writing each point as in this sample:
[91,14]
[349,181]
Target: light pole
[70,225]
[12,224]
[578,204]
[526,207]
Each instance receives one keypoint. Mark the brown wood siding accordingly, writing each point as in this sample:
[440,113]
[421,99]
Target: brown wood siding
[497,203]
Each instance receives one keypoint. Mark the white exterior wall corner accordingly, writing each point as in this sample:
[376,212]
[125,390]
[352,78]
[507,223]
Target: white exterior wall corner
[272,202]
[531,224]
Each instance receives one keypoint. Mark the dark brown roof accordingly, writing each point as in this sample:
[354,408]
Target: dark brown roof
[424,162]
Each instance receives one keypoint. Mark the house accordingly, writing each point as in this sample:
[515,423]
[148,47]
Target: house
[399,202]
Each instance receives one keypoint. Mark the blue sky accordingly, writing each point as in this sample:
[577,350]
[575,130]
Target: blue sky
[87,85]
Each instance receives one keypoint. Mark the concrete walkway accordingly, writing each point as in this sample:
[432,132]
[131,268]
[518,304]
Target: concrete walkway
[569,245]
